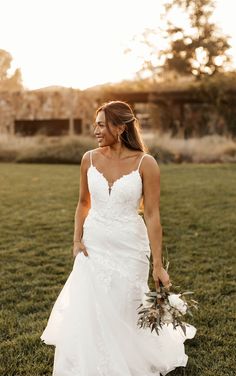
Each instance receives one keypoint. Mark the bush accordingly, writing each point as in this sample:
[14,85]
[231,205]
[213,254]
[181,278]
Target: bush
[163,147]
[43,149]
[206,149]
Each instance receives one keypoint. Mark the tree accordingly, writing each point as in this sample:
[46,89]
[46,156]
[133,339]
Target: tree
[197,49]
[9,82]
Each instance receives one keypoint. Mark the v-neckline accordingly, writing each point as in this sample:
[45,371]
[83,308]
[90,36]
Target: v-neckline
[115,181]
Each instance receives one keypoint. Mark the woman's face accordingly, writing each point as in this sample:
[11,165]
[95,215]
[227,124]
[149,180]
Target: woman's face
[105,136]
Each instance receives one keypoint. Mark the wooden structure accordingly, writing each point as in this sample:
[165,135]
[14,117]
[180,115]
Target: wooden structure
[49,127]
[183,113]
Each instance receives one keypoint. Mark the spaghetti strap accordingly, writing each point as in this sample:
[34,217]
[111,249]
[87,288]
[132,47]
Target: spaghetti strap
[91,160]
[140,161]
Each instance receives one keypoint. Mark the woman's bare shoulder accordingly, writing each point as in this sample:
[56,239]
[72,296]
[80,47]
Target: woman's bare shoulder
[86,158]
[149,158]
[149,164]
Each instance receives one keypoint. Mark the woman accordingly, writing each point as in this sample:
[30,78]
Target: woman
[93,324]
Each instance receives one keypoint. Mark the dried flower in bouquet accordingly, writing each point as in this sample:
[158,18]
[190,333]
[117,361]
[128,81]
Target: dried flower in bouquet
[165,307]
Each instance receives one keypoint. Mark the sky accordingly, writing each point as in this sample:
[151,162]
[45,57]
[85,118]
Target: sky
[81,43]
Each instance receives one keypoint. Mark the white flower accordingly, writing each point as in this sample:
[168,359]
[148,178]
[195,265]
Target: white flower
[167,317]
[144,301]
[177,303]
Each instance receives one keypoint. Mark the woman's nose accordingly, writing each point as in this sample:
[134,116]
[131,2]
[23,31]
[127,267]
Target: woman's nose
[96,131]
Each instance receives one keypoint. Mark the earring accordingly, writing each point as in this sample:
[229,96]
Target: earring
[118,138]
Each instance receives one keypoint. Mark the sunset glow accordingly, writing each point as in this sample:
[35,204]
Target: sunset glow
[81,43]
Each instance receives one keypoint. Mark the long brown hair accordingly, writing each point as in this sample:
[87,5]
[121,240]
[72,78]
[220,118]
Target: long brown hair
[119,112]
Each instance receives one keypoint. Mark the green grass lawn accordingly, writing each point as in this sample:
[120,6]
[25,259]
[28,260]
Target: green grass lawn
[198,212]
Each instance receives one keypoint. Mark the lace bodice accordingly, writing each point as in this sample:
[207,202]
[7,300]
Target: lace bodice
[118,202]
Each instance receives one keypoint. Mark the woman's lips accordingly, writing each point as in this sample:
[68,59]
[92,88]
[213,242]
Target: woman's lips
[99,139]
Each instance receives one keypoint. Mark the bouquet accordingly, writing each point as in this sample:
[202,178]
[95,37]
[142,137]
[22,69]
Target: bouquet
[165,307]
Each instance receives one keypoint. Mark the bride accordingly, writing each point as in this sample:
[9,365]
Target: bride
[93,323]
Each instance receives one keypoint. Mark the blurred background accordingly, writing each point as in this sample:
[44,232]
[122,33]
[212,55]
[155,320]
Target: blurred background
[173,61]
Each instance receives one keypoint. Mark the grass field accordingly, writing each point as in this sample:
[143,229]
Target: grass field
[198,212]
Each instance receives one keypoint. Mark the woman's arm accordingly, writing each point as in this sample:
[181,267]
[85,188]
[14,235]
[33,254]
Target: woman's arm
[151,199]
[83,205]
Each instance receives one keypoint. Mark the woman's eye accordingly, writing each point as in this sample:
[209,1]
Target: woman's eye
[98,125]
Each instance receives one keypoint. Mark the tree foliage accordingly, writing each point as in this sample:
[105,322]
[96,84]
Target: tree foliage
[9,82]
[195,45]
[200,49]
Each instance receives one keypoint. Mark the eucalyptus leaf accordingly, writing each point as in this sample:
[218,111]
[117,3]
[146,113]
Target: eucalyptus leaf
[183,328]
[187,292]
[142,311]
[195,301]
[152,293]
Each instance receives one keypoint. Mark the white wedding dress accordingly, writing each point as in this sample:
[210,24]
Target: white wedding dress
[93,323]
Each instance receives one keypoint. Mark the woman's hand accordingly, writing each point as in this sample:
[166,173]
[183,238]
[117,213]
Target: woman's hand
[159,273]
[78,247]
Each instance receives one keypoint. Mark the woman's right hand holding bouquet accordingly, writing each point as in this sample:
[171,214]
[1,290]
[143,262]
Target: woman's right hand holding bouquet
[159,274]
